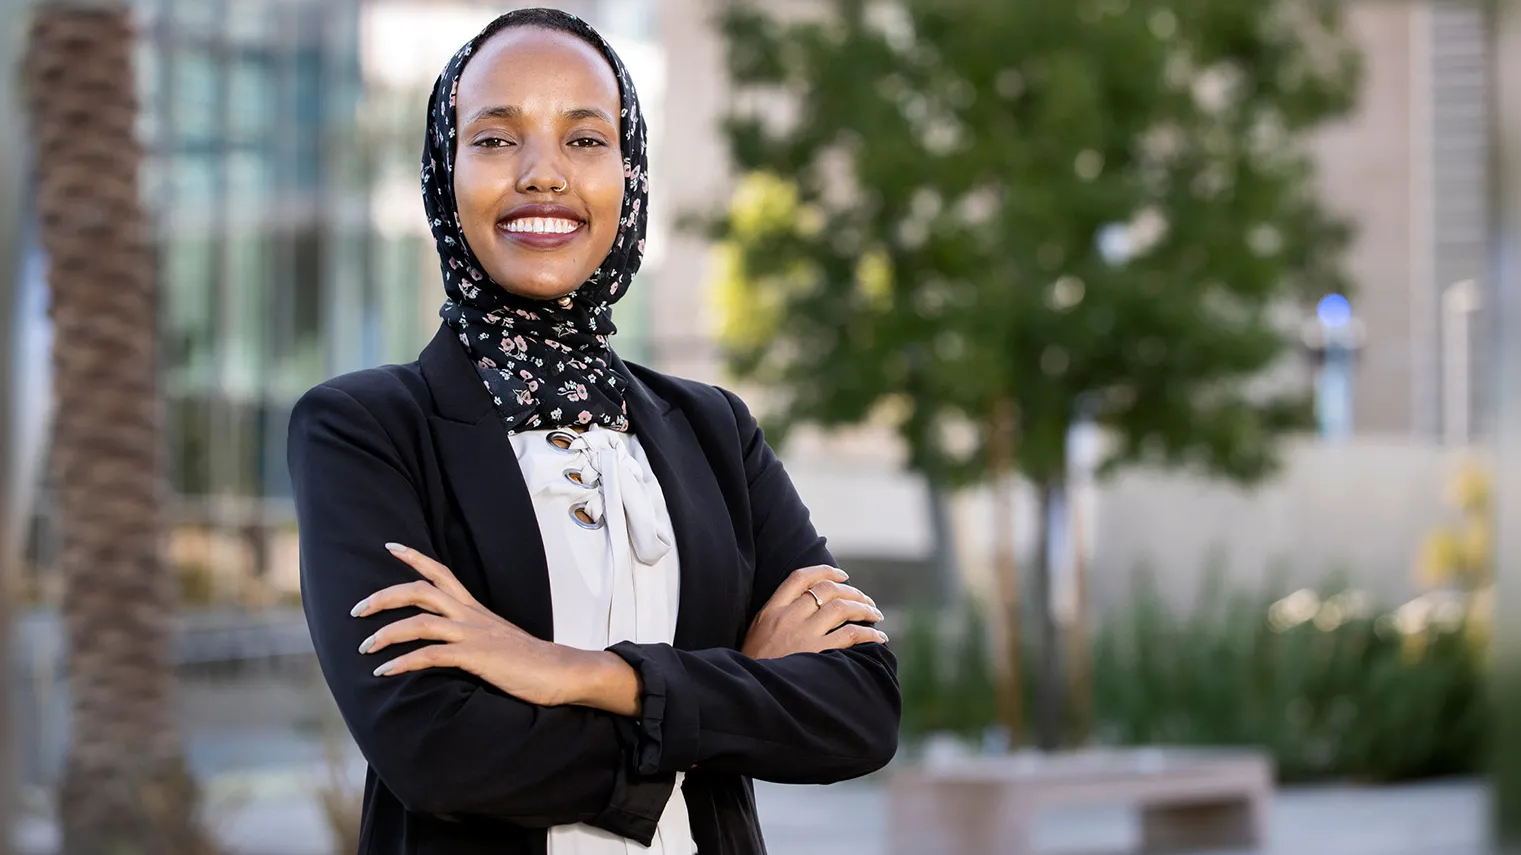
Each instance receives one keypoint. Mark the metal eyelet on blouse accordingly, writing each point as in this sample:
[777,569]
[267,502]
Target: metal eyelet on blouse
[574,477]
[560,433]
[577,510]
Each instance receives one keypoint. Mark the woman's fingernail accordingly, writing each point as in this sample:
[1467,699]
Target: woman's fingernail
[384,669]
[884,637]
[360,607]
[396,548]
[364,646]
[878,613]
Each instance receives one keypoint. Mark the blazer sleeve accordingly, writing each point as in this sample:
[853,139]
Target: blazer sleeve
[443,742]
[808,718]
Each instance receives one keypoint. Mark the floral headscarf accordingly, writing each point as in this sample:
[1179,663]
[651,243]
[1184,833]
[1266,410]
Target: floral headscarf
[545,363]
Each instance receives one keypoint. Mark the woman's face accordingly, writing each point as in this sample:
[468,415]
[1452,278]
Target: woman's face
[538,173]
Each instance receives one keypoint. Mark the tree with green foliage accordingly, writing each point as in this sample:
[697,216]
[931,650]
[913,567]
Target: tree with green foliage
[984,221]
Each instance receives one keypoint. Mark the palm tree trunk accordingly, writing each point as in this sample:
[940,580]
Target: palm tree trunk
[125,787]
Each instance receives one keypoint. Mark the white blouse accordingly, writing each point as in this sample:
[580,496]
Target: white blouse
[613,576]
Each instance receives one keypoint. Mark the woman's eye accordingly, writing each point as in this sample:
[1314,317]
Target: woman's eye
[493,142]
[587,142]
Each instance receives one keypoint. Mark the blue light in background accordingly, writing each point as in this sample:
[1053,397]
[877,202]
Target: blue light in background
[1114,243]
[1334,311]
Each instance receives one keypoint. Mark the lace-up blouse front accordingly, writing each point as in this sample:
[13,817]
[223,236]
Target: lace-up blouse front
[613,576]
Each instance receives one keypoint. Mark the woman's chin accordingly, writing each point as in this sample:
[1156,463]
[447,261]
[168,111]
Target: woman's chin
[545,290]
[539,274]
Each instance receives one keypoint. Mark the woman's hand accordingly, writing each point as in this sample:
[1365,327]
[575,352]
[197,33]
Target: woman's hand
[474,638]
[808,613]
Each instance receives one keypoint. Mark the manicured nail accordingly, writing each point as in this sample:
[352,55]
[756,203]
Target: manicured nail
[385,669]
[364,646]
[878,613]
[884,637]
[359,608]
[396,548]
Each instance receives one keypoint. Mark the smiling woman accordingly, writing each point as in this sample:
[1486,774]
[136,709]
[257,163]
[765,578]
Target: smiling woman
[565,603]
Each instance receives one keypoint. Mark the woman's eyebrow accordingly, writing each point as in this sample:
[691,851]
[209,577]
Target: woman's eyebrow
[503,111]
[582,113]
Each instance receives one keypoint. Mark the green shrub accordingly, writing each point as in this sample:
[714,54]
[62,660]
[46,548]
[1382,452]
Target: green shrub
[1331,688]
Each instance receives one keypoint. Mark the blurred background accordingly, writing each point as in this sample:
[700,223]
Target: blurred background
[1141,358]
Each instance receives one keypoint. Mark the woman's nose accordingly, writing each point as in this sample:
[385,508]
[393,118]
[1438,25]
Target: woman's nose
[543,172]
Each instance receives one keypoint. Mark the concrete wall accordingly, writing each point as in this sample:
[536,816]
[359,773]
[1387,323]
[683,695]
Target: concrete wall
[691,176]
[1363,507]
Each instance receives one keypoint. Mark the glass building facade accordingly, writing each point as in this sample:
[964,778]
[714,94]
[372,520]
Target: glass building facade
[282,141]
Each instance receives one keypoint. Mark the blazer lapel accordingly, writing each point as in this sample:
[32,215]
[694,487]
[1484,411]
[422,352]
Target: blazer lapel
[710,606]
[482,470]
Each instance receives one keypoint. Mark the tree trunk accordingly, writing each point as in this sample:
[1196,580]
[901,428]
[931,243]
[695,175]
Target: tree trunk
[946,568]
[125,788]
[1048,692]
[1079,648]
[1005,618]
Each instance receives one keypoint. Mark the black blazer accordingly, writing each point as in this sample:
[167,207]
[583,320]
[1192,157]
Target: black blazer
[416,454]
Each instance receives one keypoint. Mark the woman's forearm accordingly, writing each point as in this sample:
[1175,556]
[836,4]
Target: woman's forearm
[602,680]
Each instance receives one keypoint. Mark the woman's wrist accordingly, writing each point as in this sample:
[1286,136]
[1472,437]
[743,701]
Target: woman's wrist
[601,680]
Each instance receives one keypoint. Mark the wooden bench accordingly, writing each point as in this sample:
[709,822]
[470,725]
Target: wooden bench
[1189,800]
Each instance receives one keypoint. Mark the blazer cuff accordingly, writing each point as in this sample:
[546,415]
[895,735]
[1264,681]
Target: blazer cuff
[669,723]
[638,801]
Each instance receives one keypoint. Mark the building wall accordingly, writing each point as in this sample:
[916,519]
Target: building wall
[1409,170]
[691,176]
[1460,113]
[1365,172]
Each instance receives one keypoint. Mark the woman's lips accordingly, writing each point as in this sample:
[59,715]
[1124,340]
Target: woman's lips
[551,236]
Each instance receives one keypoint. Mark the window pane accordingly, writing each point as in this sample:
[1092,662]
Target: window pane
[248,22]
[195,19]
[193,180]
[189,319]
[296,305]
[250,98]
[196,85]
[249,178]
[145,62]
[247,291]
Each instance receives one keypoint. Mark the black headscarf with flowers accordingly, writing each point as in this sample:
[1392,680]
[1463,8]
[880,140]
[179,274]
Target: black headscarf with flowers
[545,363]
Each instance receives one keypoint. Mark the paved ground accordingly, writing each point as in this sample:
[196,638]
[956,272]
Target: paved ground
[1443,818]
[272,723]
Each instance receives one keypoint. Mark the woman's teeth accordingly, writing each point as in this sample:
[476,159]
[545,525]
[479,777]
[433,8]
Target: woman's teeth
[543,226]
